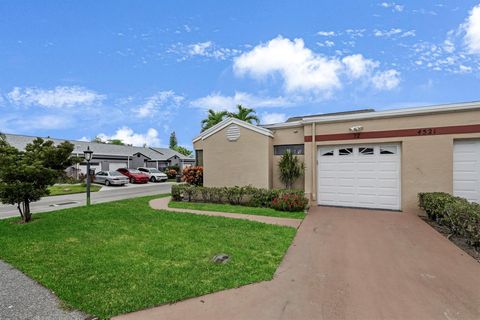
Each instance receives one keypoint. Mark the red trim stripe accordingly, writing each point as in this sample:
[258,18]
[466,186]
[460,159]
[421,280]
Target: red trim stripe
[474,128]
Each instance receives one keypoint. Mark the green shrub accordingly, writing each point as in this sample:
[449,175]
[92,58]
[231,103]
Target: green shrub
[248,195]
[289,202]
[455,213]
[434,202]
[177,192]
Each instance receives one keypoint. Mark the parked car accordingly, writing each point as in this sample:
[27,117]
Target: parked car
[134,175]
[110,178]
[154,174]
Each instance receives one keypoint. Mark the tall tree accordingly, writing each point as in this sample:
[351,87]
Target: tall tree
[213,118]
[245,114]
[26,175]
[173,140]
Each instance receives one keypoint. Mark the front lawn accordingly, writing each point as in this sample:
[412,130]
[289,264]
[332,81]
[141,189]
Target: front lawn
[62,189]
[218,207]
[118,257]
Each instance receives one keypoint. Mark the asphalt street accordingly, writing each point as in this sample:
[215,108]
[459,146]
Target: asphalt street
[75,200]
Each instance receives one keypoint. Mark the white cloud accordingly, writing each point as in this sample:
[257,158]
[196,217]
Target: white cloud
[200,48]
[464,69]
[327,43]
[472,31]
[206,49]
[392,5]
[217,101]
[410,33]
[84,139]
[304,71]
[274,117]
[326,33]
[59,97]
[357,66]
[300,68]
[386,33]
[128,136]
[163,105]
[386,80]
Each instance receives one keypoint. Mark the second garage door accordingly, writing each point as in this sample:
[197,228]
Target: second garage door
[365,176]
[112,166]
[466,169]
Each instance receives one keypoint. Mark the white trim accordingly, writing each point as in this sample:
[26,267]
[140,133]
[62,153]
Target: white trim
[465,106]
[225,123]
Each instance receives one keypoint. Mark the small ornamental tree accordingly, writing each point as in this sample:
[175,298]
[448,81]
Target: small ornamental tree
[290,169]
[26,175]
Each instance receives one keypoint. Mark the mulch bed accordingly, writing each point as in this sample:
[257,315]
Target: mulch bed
[459,241]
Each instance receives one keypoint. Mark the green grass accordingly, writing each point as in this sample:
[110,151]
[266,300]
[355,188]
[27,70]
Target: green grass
[236,209]
[118,257]
[58,190]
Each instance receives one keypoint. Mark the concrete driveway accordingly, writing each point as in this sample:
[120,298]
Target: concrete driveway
[352,264]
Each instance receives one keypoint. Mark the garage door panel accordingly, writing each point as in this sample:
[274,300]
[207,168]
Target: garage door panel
[112,166]
[360,180]
[466,169]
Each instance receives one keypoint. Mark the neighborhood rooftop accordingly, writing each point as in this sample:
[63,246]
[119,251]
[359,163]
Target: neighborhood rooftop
[106,149]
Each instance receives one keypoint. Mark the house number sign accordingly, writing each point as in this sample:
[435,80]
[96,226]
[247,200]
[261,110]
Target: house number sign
[426,131]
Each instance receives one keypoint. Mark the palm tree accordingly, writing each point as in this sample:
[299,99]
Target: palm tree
[245,114]
[213,118]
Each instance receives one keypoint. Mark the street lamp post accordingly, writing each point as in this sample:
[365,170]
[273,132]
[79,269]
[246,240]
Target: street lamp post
[88,156]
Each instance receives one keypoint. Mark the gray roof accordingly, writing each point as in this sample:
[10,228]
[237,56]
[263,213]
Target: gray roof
[169,153]
[104,149]
[330,114]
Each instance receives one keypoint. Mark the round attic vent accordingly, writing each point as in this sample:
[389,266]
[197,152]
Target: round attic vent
[233,132]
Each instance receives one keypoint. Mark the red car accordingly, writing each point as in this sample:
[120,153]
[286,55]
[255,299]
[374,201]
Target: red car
[134,175]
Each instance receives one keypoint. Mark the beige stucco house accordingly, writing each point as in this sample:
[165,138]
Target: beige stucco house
[365,158]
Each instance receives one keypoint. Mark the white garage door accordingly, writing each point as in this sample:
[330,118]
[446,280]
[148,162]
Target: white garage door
[466,169]
[112,166]
[83,168]
[366,176]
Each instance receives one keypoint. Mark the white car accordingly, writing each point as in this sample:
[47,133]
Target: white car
[110,178]
[154,174]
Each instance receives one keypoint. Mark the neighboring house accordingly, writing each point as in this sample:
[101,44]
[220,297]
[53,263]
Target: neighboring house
[355,159]
[112,157]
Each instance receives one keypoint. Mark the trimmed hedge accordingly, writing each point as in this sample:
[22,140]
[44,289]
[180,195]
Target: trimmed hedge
[457,214]
[247,196]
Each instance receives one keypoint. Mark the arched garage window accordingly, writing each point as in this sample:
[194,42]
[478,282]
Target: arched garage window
[388,150]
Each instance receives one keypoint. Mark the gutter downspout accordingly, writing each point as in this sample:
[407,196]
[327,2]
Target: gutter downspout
[314,164]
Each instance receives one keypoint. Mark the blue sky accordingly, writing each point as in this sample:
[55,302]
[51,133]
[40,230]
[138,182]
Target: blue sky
[139,70]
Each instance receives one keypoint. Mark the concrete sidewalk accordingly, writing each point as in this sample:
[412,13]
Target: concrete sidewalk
[162,204]
[351,264]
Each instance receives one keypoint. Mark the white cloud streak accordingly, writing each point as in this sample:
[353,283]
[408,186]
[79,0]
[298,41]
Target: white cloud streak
[59,97]
[217,101]
[164,104]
